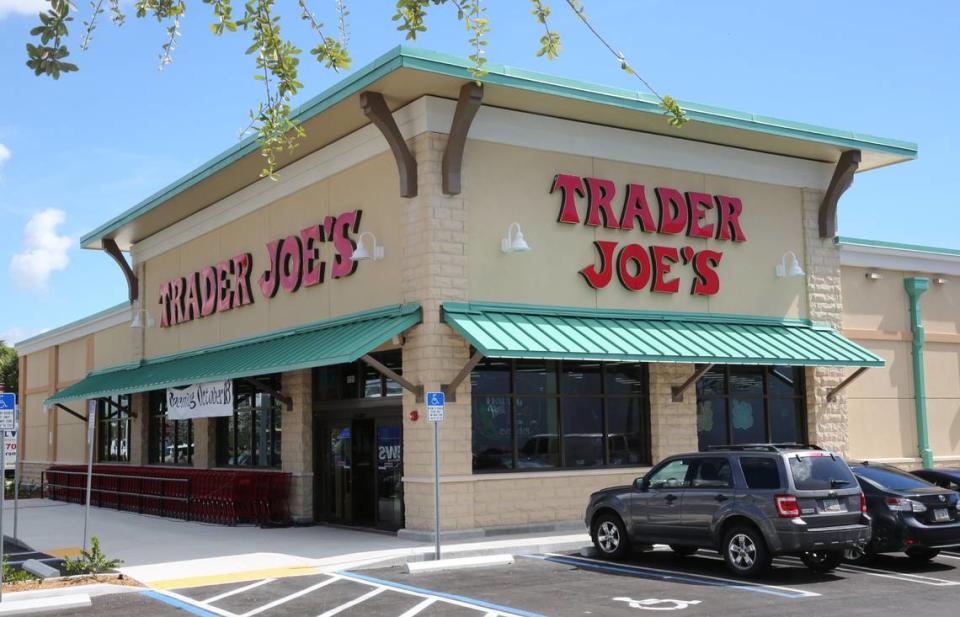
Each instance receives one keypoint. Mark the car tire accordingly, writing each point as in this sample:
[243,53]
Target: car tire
[745,551]
[610,536]
[858,556]
[922,553]
[683,551]
[822,561]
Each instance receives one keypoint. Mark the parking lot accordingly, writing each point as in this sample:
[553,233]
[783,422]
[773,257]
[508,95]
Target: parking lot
[571,584]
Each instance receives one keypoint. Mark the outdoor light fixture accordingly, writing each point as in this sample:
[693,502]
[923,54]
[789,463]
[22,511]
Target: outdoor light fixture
[361,254]
[939,280]
[138,320]
[514,242]
[873,276]
[793,270]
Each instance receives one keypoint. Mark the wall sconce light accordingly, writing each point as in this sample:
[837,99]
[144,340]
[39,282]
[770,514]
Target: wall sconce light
[873,276]
[514,242]
[793,270]
[361,253]
[141,316]
[939,280]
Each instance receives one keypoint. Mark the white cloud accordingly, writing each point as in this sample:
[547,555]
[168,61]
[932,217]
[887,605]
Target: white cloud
[44,251]
[22,7]
[4,151]
[12,336]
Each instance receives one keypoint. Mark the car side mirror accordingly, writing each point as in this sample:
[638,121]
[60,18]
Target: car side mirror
[640,484]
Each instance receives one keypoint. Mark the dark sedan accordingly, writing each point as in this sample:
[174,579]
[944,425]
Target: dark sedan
[944,478]
[909,514]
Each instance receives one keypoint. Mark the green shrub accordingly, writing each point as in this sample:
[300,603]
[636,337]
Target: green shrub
[91,562]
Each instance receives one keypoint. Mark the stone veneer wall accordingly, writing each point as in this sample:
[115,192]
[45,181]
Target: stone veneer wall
[296,442]
[827,424]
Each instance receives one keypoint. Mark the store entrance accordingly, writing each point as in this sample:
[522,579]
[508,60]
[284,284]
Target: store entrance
[360,470]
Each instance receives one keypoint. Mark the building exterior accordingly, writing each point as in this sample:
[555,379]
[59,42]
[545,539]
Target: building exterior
[592,289]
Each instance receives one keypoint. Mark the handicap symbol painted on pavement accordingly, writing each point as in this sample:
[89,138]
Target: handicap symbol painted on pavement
[652,604]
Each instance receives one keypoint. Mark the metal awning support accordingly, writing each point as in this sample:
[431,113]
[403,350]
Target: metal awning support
[839,183]
[471,97]
[390,374]
[265,387]
[133,287]
[677,391]
[375,108]
[109,401]
[71,412]
[450,389]
[846,382]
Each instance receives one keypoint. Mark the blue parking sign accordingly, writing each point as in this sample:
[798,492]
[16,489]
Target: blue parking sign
[435,399]
[8,400]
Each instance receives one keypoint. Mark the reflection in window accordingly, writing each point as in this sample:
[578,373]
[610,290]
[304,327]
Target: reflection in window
[113,429]
[358,379]
[747,404]
[251,436]
[531,415]
[171,441]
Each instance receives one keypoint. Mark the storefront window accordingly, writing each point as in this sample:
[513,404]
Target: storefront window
[113,429]
[537,415]
[751,404]
[171,441]
[251,437]
[358,379]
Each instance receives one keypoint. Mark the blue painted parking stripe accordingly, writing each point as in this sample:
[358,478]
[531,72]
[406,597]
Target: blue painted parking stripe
[439,594]
[190,608]
[668,575]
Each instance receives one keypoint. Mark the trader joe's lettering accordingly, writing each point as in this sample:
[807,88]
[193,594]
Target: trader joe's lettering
[638,267]
[294,262]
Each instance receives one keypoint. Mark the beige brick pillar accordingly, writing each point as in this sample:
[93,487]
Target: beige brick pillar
[827,423]
[435,270]
[296,442]
[204,442]
[139,429]
[673,426]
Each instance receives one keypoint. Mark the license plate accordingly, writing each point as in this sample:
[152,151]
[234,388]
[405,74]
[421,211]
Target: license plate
[832,505]
[940,515]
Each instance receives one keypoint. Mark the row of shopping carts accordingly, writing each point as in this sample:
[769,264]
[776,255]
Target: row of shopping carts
[225,497]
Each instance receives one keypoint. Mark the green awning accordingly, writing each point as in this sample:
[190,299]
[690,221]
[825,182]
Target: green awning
[333,341]
[522,331]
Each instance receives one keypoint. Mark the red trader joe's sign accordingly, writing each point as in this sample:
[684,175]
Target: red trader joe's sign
[651,266]
[294,262]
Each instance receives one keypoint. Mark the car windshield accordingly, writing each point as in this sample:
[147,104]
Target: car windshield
[891,478]
[816,472]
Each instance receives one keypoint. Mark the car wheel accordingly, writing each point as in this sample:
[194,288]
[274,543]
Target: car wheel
[610,536]
[822,561]
[858,555]
[922,553]
[683,551]
[745,551]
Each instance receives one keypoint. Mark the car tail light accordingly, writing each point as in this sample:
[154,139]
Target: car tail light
[787,506]
[863,502]
[899,504]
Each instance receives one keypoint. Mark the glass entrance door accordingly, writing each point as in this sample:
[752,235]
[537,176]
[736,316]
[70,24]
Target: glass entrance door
[363,467]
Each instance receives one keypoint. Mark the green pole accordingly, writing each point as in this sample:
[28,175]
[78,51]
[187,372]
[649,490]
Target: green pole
[915,286]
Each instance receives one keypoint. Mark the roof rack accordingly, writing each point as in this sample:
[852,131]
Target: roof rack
[763,447]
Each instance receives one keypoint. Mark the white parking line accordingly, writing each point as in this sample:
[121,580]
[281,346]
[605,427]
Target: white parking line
[353,602]
[292,596]
[240,590]
[419,607]
[901,576]
[190,601]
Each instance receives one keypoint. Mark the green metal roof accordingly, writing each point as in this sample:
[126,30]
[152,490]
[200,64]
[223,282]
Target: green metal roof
[520,79]
[333,341]
[519,331]
[899,246]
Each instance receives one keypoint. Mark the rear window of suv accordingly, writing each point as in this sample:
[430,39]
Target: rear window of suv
[818,472]
[760,473]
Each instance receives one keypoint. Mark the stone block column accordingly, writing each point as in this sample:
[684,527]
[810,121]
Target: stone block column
[827,422]
[435,270]
[296,442]
[673,426]
[139,429]
[204,443]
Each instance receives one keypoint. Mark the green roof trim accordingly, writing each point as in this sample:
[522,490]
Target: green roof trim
[503,75]
[536,332]
[332,341]
[898,246]
[73,324]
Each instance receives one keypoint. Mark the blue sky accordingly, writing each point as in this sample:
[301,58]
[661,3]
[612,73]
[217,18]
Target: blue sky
[96,142]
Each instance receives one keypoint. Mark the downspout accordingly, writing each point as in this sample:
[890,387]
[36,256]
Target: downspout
[915,286]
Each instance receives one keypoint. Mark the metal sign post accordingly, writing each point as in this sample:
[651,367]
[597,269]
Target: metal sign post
[8,406]
[16,474]
[91,427]
[435,403]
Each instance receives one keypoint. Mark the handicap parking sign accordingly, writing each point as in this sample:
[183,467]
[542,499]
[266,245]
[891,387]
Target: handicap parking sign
[8,400]
[435,403]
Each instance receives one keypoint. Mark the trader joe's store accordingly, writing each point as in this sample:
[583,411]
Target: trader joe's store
[592,288]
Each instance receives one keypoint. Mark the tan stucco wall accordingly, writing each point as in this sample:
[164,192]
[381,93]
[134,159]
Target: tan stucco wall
[37,369]
[35,423]
[507,184]
[72,361]
[368,186]
[71,434]
[112,346]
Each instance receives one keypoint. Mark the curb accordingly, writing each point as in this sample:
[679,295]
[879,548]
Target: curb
[34,606]
[461,563]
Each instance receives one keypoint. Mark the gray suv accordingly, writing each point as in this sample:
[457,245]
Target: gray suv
[750,502]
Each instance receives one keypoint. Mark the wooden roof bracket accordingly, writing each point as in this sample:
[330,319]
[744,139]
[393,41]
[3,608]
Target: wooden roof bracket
[471,97]
[450,389]
[676,392]
[384,370]
[133,288]
[375,108]
[265,387]
[846,382]
[842,180]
